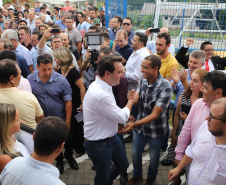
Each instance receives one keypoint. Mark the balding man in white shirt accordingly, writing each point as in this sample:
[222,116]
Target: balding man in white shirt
[207,150]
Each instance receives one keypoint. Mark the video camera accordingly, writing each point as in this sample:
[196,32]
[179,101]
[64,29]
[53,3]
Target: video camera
[94,40]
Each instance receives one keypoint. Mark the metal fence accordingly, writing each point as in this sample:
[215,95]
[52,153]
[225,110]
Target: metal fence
[202,20]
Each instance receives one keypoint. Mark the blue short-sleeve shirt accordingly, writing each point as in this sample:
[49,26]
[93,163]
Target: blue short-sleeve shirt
[51,94]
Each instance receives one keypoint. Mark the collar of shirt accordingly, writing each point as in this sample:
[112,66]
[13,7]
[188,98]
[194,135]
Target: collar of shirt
[139,51]
[103,84]
[53,77]
[29,45]
[116,30]
[43,166]
[157,82]
[70,31]
[167,58]
[18,47]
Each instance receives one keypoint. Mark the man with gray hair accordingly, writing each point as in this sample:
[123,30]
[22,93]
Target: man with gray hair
[5,44]
[62,22]
[17,47]
[42,16]
[196,61]
[6,24]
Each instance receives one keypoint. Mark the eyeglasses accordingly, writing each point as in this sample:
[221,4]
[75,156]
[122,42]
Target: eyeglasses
[209,50]
[128,24]
[211,117]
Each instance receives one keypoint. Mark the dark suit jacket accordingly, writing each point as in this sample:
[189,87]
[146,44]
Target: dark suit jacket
[218,62]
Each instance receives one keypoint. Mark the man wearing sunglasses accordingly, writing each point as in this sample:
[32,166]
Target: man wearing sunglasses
[213,88]
[207,150]
[127,26]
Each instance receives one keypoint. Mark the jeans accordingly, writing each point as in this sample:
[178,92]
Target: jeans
[102,154]
[187,174]
[155,144]
[166,139]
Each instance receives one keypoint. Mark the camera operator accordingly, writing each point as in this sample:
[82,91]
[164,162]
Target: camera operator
[90,56]
[89,65]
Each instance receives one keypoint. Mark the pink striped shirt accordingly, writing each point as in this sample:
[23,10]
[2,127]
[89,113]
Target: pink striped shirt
[197,115]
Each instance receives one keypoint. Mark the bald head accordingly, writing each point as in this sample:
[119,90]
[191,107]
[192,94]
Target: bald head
[222,102]
[65,39]
[31,15]
[164,30]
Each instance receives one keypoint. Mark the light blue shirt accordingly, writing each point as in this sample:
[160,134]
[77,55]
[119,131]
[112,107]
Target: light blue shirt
[179,88]
[34,55]
[59,22]
[151,45]
[29,171]
[85,25]
[31,25]
[25,53]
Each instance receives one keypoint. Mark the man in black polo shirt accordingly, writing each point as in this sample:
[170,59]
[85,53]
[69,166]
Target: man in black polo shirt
[122,46]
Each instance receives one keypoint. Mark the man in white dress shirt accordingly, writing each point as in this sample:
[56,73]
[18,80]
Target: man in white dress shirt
[101,118]
[133,65]
[49,138]
[133,68]
[207,150]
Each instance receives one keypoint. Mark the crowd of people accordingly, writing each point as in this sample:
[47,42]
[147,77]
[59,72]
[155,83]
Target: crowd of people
[50,75]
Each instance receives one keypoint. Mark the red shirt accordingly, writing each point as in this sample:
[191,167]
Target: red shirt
[67,8]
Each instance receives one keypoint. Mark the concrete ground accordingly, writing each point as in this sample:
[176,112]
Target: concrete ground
[85,175]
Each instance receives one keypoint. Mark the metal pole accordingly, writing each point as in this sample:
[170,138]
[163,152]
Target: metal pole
[156,19]
[214,17]
[182,25]
[124,8]
[106,13]
[95,3]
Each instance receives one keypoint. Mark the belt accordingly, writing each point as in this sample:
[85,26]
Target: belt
[98,141]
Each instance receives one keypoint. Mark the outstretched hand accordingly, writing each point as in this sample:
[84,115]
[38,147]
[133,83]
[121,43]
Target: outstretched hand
[127,128]
[133,95]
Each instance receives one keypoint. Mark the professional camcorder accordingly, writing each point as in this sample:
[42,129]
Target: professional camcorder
[94,40]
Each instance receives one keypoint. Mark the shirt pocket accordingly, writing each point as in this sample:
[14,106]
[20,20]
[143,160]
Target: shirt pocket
[218,175]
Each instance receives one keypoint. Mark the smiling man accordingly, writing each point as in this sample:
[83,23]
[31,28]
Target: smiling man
[124,48]
[151,125]
[214,88]
[196,61]
[211,62]
[24,35]
[207,150]
[127,26]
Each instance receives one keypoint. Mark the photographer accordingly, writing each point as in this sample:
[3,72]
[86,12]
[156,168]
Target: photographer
[89,66]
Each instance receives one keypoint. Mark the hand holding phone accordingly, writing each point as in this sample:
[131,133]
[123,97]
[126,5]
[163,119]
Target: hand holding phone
[154,30]
[55,30]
